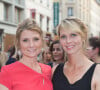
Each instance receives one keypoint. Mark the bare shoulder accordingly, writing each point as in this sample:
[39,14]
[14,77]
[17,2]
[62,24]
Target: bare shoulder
[96,78]
[97,71]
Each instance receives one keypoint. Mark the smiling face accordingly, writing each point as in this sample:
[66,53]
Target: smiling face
[30,43]
[70,41]
[73,35]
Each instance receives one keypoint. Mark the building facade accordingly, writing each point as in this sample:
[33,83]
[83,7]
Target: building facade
[87,10]
[11,13]
[41,11]
[95,18]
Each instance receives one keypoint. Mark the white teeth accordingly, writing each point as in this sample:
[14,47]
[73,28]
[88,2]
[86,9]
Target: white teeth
[70,47]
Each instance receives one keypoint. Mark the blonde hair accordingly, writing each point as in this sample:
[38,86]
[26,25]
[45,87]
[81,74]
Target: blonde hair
[3,59]
[75,25]
[27,24]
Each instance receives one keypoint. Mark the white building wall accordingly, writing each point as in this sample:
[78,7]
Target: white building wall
[1,11]
[8,29]
[9,26]
[95,19]
[86,10]
[41,8]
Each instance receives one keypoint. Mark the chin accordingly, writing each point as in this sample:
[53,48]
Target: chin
[31,56]
[70,52]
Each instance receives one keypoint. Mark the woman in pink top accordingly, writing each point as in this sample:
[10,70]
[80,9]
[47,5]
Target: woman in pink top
[27,73]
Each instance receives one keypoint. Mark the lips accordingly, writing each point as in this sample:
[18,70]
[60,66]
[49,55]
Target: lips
[56,56]
[69,47]
[31,50]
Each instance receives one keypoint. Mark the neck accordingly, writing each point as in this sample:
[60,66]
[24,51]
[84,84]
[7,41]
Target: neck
[59,61]
[97,59]
[77,60]
[29,61]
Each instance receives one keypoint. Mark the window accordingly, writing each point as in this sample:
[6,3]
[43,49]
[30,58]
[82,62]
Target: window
[70,11]
[47,23]
[6,12]
[1,37]
[41,1]
[47,3]
[33,13]
[41,17]
[17,15]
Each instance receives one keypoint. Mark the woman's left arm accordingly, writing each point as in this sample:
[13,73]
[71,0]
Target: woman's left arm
[97,77]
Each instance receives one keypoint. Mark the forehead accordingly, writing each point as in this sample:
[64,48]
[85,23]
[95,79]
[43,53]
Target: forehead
[67,31]
[29,33]
[70,27]
[56,45]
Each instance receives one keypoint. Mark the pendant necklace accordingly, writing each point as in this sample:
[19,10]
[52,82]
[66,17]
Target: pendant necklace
[43,80]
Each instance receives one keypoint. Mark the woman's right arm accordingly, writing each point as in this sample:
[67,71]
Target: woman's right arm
[5,78]
[2,87]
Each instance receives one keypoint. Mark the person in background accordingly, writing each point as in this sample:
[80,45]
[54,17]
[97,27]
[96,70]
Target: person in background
[93,50]
[46,56]
[3,57]
[57,53]
[27,73]
[78,72]
[13,56]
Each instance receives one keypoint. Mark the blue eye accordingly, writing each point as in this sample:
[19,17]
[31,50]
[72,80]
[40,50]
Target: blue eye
[63,37]
[25,40]
[73,35]
[36,39]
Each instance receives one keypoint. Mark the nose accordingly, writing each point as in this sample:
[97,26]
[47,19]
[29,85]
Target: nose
[31,43]
[55,51]
[68,40]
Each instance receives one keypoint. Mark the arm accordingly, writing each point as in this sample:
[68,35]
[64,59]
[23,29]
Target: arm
[5,79]
[96,78]
[2,87]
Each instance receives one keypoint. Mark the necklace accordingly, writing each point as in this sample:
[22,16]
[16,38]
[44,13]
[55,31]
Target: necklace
[43,80]
[42,73]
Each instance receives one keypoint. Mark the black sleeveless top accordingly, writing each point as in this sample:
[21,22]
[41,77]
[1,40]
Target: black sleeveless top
[60,81]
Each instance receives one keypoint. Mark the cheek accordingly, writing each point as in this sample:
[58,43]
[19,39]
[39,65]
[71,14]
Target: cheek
[78,42]
[23,47]
[62,43]
[39,45]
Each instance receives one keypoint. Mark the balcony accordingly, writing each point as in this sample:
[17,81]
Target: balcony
[7,1]
[20,2]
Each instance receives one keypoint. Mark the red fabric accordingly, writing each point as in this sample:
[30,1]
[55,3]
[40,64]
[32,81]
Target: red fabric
[18,76]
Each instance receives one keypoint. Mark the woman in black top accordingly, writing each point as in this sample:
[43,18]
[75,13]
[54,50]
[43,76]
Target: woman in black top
[78,73]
